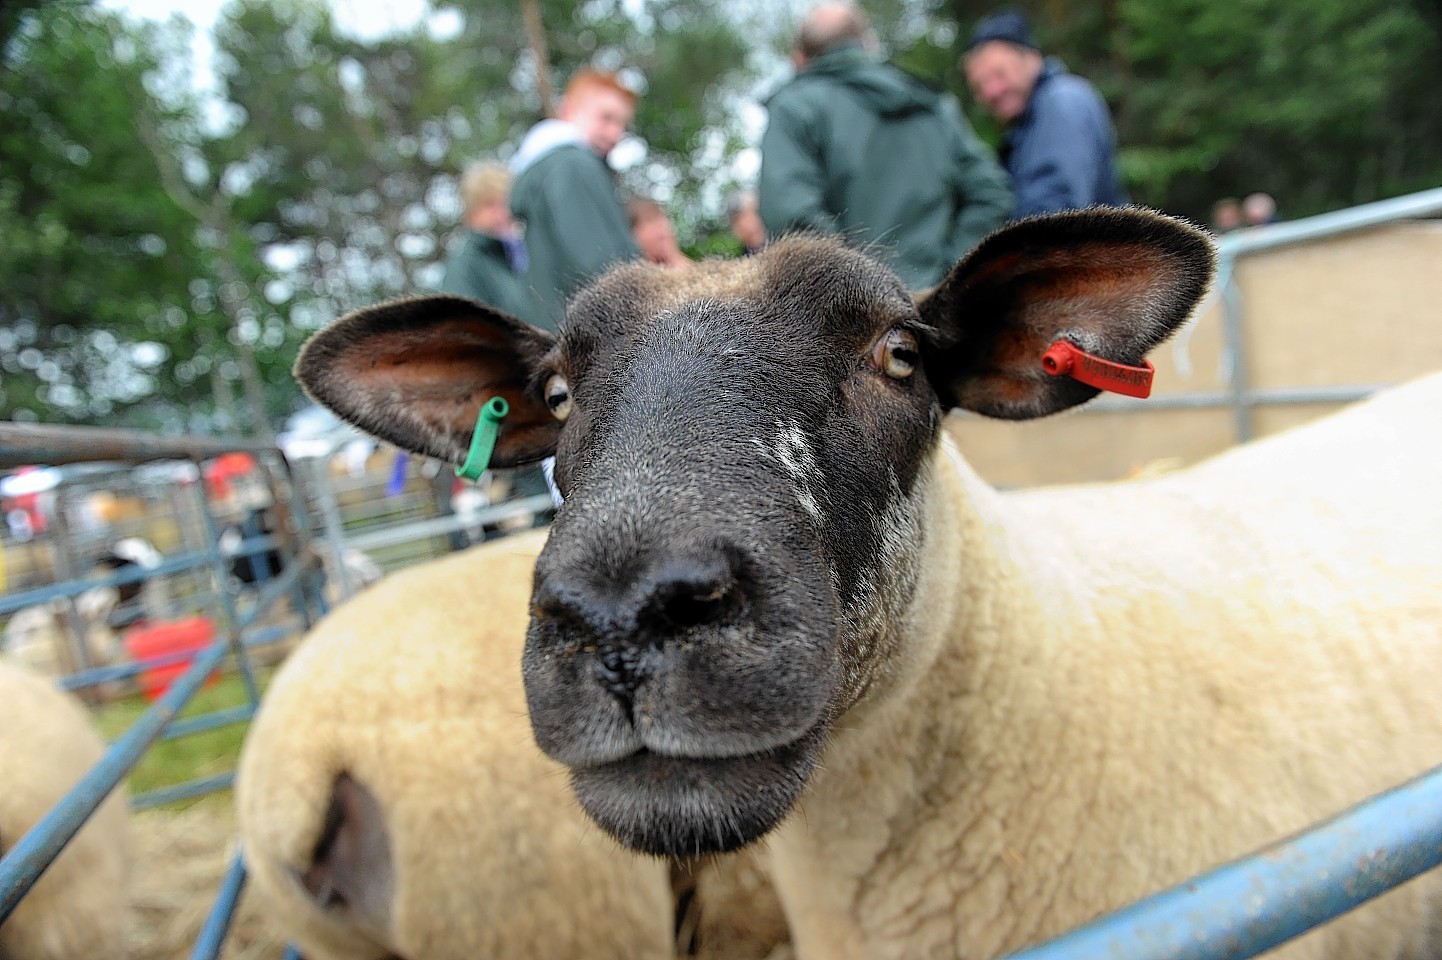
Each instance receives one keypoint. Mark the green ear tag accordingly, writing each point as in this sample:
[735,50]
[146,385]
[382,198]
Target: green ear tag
[483,441]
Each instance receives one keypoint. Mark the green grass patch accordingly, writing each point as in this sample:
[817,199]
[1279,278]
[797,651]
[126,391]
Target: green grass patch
[205,754]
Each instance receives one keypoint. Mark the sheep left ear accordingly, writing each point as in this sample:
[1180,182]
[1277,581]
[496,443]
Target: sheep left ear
[1114,282]
[417,372]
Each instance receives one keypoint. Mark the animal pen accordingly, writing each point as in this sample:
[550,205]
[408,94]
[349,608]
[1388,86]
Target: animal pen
[1234,911]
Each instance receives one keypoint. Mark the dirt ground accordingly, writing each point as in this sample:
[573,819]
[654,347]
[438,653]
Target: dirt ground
[177,862]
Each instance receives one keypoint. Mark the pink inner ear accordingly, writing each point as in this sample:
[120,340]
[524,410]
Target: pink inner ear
[1113,299]
[442,374]
[1102,295]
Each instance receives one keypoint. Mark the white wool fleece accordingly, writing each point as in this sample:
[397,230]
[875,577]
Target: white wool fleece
[1108,689]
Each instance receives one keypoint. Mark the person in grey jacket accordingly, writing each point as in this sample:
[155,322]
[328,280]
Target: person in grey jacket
[489,263]
[1059,146]
[564,191]
[856,147]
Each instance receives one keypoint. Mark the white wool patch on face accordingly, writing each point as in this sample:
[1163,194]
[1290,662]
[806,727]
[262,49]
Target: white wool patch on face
[793,452]
[872,627]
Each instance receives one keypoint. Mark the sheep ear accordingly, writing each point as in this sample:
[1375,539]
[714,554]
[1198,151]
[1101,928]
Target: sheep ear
[416,373]
[351,868]
[1113,282]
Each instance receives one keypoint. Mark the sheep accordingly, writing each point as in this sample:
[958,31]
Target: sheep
[778,605]
[76,910]
[36,638]
[392,804]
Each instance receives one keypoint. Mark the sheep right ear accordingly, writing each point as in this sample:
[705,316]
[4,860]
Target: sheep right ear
[351,868]
[1113,282]
[416,372]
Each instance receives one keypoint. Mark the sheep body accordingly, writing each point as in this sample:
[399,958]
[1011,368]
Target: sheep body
[413,689]
[76,910]
[777,605]
[1108,689]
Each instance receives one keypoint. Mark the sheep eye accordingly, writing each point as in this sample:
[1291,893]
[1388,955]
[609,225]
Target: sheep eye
[896,354]
[558,396]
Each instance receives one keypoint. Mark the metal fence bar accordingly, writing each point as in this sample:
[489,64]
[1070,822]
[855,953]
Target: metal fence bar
[420,529]
[219,570]
[1426,203]
[1262,901]
[1213,399]
[124,671]
[217,923]
[211,721]
[188,790]
[331,525]
[24,443]
[178,563]
[1234,345]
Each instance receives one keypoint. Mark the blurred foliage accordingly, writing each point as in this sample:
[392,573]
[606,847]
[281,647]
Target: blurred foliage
[152,238]
[94,257]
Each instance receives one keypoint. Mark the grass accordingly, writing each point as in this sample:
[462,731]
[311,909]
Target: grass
[169,762]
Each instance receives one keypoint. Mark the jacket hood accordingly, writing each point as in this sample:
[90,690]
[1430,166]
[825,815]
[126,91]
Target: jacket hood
[542,139]
[887,90]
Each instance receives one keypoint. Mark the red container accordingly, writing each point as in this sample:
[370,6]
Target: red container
[158,638]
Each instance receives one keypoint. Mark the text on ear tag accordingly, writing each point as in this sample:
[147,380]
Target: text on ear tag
[1063,358]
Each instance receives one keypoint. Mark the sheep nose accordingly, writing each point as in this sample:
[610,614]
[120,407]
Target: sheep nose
[622,669]
[624,626]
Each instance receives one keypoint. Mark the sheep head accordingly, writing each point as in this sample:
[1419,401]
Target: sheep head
[740,448]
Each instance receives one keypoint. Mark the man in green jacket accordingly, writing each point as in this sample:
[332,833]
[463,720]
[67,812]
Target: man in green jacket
[489,263]
[857,147]
[575,224]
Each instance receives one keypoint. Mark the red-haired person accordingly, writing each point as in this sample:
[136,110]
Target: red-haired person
[564,192]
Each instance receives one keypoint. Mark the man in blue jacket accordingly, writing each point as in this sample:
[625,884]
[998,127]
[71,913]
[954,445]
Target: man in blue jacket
[1060,146]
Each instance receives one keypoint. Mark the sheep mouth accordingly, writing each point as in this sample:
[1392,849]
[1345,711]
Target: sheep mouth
[685,806]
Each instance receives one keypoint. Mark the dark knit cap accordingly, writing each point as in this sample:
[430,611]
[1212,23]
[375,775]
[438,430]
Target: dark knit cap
[1009,25]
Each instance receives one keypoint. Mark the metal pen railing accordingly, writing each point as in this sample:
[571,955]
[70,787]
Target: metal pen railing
[32,854]
[1259,902]
[1238,395]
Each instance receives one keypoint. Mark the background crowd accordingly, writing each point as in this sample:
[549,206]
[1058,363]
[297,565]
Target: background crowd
[853,146]
[165,244]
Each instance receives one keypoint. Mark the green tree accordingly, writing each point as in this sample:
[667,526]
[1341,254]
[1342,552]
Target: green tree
[1323,106]
[124,297]
[96,262]
[344,154]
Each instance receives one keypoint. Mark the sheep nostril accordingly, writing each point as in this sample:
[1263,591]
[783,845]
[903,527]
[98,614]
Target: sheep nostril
[688,605]
[547,603]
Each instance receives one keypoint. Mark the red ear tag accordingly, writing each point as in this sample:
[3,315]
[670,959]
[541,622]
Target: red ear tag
[1066,359]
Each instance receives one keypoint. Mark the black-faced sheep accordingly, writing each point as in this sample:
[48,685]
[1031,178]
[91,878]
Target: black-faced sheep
[392,802]
[38,637]
[76,910]
[776,603]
